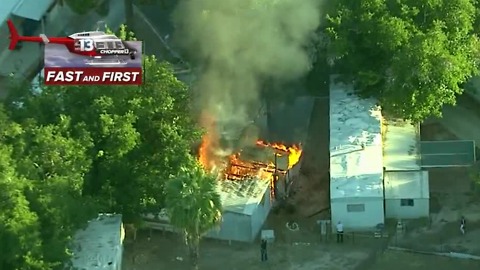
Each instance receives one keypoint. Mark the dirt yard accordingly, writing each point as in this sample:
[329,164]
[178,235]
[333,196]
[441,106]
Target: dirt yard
[395,260]
[289,252]
[450,199]
[311,190]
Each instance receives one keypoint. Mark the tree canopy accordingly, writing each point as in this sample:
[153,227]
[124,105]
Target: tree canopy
[69,152]
[412,55]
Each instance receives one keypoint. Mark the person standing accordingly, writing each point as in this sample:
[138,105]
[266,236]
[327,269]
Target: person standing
[339,232]
[463,223]
[263,250]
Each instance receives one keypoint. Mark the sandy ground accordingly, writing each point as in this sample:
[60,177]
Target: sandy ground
[450,198]
[168,252]
[311,189]
[394,260]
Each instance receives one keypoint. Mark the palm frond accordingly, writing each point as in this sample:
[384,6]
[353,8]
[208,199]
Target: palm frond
[193,202]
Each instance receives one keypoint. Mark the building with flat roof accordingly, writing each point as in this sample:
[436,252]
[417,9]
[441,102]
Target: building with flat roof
[375,164]
[99,245]
[406,184]
[356,160]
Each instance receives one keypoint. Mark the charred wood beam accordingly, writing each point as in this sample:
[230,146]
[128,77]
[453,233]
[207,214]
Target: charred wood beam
[257,165]
[242,166]
[232,176]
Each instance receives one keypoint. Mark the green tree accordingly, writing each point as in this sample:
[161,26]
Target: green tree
[19,226]
[45,173]
[193,205]
[85,149]
[133,136]
[412,55]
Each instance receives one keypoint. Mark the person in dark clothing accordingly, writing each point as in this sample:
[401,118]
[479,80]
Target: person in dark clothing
[463,224]
[263,250]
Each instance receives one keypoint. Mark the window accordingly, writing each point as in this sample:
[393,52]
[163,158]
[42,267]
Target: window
[356,207]
[406,202]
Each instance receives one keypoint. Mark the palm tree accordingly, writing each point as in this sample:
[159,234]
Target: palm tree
[193,205]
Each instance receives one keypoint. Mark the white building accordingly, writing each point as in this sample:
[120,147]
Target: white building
[100,245]
[406,184]
[246,205]
[356,163]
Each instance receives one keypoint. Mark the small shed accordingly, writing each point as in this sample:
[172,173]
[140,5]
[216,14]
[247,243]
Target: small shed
[99,245]
[406,184]
[356,164]
[246,205]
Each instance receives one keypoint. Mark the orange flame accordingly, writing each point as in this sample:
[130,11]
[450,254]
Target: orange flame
[234,168]
[294,152]
[203,152]
[209,140]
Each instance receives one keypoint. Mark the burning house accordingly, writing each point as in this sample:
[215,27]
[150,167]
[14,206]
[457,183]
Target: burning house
[251,173]
[249,182]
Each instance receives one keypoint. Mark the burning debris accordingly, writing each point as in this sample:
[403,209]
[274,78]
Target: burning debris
[293,152]
[261,161]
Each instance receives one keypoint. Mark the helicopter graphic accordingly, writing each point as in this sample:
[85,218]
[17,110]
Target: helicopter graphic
[98,45]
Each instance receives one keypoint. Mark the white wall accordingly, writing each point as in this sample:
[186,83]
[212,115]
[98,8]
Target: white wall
[394,209]
[235,227]
[261,214]
[366,220]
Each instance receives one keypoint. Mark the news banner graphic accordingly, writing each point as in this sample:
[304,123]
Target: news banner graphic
[87,58]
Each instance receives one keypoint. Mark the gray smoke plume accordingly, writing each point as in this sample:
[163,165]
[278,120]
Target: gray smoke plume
[240,43]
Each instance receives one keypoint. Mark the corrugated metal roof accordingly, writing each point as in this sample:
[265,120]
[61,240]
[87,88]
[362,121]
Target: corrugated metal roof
[356,158]
[99,246]
[400,146]
[406,185]
[242,196]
